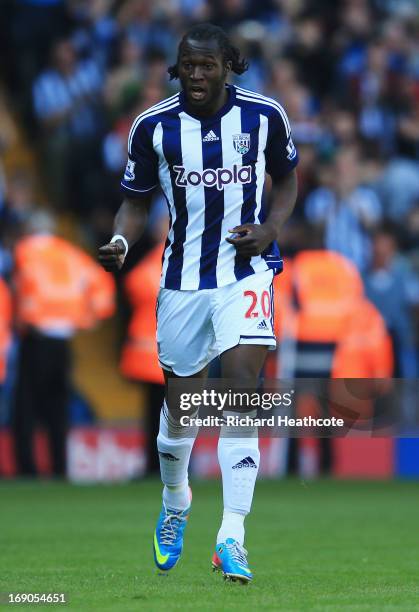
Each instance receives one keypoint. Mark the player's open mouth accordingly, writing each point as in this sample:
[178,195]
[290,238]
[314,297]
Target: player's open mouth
[197,93]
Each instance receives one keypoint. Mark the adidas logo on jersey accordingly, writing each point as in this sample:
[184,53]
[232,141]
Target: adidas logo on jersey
[247,462]
[262,325]
[210,137]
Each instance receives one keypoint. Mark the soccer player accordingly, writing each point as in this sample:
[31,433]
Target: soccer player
[209,147]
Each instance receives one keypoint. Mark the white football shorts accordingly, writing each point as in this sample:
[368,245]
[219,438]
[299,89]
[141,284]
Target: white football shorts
[193,327]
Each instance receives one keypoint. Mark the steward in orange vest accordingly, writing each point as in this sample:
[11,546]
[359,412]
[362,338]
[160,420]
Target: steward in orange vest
[314,295]
[326,327]
[58,290]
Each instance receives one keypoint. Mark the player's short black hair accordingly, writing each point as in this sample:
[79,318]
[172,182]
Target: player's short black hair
[208,31]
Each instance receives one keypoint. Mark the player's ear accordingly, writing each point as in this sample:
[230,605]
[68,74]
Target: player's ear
[228,66]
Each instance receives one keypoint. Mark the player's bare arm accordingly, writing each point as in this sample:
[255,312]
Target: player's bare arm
[130,221]
[254,239]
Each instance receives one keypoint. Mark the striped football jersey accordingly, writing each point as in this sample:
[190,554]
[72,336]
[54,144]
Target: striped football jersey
[212,173]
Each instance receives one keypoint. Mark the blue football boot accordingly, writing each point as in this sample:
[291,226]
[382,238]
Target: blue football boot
[231,558]
[168,537]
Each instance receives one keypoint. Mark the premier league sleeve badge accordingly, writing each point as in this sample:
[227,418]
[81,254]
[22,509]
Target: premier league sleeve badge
[129,174]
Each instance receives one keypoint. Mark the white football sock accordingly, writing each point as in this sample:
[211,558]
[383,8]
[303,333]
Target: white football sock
[239,459]
[231,527]
[174,454]
[177,497]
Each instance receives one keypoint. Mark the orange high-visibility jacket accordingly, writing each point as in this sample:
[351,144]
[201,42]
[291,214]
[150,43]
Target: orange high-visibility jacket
[59,286]
[322,287]
[139,354]
[364,349]
[319,298]
[5,326]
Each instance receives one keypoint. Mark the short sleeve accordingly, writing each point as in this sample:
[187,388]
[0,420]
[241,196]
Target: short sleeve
[280,153]
[141,171]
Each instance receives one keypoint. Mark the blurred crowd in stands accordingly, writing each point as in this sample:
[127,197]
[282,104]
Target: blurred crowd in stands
[74,74]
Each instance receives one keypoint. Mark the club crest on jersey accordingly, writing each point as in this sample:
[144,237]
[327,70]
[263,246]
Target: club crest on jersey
[241,143]
[129,174]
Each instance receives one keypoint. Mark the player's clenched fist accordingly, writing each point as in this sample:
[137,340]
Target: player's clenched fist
[250,239]
[112,256]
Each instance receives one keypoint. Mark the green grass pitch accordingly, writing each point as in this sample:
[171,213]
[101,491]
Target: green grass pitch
[321,545]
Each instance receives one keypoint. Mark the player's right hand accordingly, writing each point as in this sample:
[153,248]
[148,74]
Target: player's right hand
[112,255]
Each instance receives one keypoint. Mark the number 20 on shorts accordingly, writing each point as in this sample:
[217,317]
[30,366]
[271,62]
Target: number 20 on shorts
[264,303]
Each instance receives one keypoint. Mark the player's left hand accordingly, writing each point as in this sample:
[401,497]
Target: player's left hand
[251,239]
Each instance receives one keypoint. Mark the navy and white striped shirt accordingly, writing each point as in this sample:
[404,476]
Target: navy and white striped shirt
[212,173]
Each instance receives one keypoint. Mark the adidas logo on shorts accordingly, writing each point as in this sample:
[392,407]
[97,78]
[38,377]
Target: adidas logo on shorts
[263,325]
[210,137]
[247,462]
